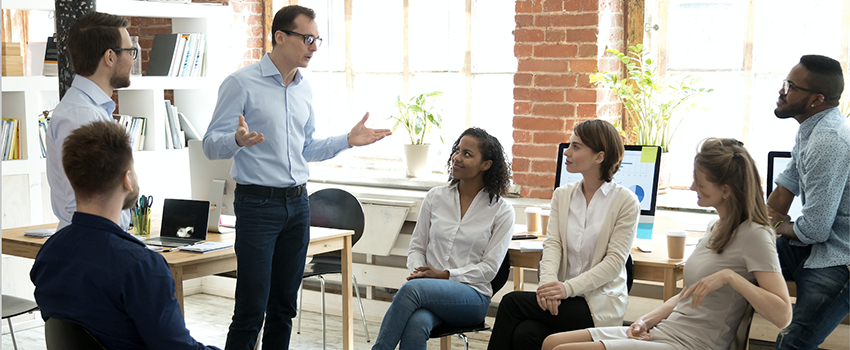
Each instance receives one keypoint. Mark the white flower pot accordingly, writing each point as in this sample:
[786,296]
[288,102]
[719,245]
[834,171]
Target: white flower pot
[416,158]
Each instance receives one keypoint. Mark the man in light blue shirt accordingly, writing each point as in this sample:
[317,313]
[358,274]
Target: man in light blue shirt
[270,169]
[814,249]
[102,55]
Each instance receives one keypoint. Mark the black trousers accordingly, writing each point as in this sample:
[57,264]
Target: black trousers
[521,323]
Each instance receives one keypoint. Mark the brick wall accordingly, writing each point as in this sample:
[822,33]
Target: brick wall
[559,43]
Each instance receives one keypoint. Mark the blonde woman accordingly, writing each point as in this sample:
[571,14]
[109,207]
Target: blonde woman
[735,264]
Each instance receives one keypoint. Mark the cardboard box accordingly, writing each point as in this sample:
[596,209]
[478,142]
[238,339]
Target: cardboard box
[13,66]
[11,49]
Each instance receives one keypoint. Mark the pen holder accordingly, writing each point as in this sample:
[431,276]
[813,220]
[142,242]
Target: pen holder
[142,224]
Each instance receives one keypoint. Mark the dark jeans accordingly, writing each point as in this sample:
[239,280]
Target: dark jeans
[522,324]
[272,235]
[822,298]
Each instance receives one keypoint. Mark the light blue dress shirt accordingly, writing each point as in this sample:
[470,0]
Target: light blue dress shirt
[819,172]
[83,103]
[283,114]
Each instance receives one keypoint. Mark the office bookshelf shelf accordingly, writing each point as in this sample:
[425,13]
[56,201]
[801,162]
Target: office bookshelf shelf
[161,171]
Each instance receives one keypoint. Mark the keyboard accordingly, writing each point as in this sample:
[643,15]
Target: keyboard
[172,241]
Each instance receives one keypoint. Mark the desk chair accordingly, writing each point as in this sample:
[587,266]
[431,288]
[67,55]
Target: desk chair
[445,331]
[333,208]
[67,335]
[14,306]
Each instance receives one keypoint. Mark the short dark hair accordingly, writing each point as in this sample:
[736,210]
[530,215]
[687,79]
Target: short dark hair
[95,157]
[825,77]
[90,36]
[498,177]
[602,136]
[284,19]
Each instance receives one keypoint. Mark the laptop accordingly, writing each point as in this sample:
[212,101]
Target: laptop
[776,164]
[184,222]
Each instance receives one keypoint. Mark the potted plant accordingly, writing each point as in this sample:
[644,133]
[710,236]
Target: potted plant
[418,116]
[649,102]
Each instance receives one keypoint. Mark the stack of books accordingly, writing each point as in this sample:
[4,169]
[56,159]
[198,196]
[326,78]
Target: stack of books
[13,62]
[11,139]
[177,55]
[135,127]
[178,128]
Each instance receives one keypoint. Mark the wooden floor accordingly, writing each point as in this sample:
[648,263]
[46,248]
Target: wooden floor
[208,317]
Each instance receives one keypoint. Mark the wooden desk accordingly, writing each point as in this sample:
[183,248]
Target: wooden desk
[653,266]
[185,265]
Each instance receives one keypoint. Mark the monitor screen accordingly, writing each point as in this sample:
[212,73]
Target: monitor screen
[776,164]
[211,181]
[638,172]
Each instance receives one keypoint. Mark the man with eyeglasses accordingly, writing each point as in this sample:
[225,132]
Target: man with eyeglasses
[102,56]
[270,169]
[814,249]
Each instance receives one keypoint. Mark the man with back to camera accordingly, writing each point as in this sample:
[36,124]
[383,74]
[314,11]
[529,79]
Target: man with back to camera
[94,273]
[814,249]
[270,169]
[102,56]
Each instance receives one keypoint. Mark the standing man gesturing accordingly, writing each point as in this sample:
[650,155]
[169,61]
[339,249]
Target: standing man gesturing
[270,169]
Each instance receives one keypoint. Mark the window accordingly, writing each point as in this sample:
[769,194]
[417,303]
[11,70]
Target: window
[708,38]
[396,51]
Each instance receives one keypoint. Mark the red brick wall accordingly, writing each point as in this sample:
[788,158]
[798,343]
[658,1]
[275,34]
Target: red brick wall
[559,43]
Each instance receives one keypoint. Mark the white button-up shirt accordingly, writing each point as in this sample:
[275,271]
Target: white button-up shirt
[584,224]
[470,248]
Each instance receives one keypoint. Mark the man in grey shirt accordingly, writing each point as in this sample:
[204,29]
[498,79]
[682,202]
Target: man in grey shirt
[814,249]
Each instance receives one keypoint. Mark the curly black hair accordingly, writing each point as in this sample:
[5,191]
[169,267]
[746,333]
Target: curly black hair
[497,178]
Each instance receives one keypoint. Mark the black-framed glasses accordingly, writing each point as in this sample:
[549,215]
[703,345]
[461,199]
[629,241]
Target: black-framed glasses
[308,39]
[134,52]
[788,85]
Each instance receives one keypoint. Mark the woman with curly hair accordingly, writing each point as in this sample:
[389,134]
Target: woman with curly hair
[582,269]
[460,240]
[735,264]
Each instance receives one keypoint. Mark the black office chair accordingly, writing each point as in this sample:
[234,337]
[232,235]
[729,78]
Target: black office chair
[333,208]
[445,330]
[67,335]
[14,306]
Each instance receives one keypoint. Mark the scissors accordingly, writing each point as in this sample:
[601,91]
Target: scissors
[145,202]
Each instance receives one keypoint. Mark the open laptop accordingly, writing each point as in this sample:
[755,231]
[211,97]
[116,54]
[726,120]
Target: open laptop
[776,164]
[638,172]
[184,222]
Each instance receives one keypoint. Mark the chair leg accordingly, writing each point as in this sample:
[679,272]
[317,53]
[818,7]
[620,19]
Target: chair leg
[465,341]
[324,340]
[360,302]
[446,343]
[300,305]
[12,332]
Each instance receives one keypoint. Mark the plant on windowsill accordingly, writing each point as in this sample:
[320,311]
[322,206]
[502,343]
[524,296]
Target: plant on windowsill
[419,117]
[649,102]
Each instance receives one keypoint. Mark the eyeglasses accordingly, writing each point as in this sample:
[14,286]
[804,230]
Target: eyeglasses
[788,85]
[308,39]
[133,51]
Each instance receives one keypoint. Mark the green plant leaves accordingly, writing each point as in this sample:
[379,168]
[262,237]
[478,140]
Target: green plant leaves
[418,116]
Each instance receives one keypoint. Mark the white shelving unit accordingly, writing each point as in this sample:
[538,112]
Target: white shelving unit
[162,173]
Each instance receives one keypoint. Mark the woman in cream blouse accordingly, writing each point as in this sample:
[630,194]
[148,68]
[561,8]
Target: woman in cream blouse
[582,270]
[460,240]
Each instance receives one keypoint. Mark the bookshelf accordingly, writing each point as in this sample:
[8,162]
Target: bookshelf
[162,173]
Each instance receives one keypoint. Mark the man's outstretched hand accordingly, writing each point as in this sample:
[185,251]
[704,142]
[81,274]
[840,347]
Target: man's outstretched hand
[360,135]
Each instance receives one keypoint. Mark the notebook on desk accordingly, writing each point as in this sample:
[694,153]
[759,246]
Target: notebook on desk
[184,222]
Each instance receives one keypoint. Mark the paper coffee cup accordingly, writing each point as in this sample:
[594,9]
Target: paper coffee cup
[676,244]
[532,219]
[544,221]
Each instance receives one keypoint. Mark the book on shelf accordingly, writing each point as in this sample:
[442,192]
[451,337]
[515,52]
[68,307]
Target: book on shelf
[173,127]
[135,127]
[51,58]
[176,55]
[42,134]
[188,129]
[11,141]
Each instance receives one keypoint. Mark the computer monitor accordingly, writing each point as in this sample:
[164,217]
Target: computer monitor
[776,164]
[211,181]
[638,172]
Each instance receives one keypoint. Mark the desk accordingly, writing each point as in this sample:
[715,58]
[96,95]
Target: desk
[185,265]
[653,266]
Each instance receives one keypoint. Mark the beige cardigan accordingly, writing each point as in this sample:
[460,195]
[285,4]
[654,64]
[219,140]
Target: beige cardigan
[604,285]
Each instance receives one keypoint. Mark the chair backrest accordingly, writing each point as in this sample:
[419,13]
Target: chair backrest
[742,335]
[502,275]
[67,335]
[336,208]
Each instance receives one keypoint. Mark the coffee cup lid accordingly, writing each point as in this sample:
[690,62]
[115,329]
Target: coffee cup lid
[677,233]
[545,212]
[532,210]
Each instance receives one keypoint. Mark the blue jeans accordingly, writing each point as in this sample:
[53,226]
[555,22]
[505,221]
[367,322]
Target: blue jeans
[272,235]
[424,303]
[822,298]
